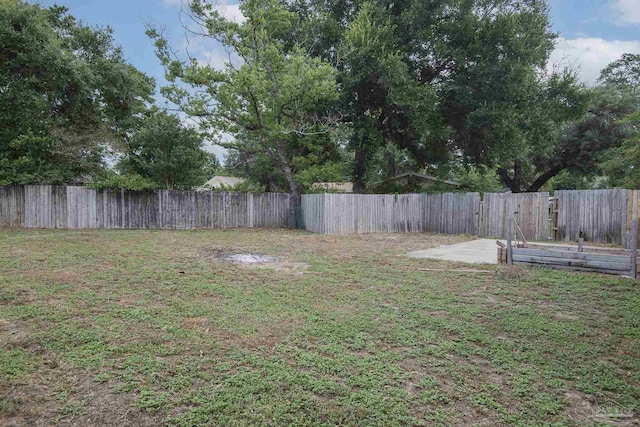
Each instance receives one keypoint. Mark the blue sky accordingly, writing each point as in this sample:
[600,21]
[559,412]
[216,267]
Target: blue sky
[592,33]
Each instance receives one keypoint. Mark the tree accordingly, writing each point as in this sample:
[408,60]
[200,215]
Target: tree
[584,144]
[275,103]
[382,98]
[548,144]
[212,167]
[167,152]
[622,164]
[437,78]
[329,165]
[623,73]
[67,94]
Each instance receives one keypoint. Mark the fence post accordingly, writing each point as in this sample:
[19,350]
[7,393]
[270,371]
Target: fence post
[509,248]
[481,215]
[634,249]
[554,217]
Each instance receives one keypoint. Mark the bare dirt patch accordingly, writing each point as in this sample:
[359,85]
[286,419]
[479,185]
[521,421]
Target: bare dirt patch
[13,335]
[247,259]
[55,276]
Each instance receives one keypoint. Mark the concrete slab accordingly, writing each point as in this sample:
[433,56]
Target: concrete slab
[480,251]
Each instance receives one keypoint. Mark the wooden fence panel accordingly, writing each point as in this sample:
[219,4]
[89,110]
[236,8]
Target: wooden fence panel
[270,210]
[600,215]
[12,206]
[313,212]
[58,206]
[46,206]
[82,207]
[142,209]
[451,213]
[404,213]
[37,208]
[531,211]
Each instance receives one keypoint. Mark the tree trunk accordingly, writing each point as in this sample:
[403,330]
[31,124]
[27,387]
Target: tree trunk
[359,170]
[542,179]
[285,166]
[390,159]
[294,188]
[514,183]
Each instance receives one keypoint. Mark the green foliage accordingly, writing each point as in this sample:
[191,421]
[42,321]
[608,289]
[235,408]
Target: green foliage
[622,164]
[387,103]
[243,187]
[274,103]
[441,77]
[111,179]
[17,363]
[212,167]
[624,73]
[478,179]
[167,153]
[67,94]
[575,180]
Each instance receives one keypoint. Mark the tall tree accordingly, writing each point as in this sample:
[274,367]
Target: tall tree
[583,144]
[382,97]
[275,101]
[622,163]
[67,94]
[623,73]
[436,77]
[543,139]
[168,153]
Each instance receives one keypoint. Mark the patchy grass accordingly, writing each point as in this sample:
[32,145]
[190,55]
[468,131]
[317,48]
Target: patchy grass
[144,328]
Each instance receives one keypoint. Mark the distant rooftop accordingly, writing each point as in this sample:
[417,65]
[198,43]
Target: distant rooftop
[344,187]
[221,181]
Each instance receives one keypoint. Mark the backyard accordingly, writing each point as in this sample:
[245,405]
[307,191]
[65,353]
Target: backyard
[145,328]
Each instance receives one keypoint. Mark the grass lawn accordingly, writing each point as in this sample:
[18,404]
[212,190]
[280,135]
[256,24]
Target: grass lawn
[144,328]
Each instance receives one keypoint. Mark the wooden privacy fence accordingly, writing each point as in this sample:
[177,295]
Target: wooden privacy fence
[596,215]
[602,216]
[454,213]
[530,210]
[46,206]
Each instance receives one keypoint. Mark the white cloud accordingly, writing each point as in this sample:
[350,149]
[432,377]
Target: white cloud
[204,49]
[626,12]
[230,11]
[590,55]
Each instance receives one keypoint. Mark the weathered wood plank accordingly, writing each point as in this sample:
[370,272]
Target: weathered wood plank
[576,269]
[596,215]
[570,254]
[621,266]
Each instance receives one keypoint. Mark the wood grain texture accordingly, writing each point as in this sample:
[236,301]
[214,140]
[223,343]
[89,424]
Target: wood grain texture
[598,216]
[452,213]
[531,211]
[46,206]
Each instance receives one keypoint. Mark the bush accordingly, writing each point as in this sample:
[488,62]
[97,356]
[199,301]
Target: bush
[243,187]
[127,182]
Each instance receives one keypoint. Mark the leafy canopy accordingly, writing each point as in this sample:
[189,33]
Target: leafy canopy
[67,95]
[167,153]
[273,99]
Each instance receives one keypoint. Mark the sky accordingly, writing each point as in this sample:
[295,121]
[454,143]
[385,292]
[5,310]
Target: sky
[591,33]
